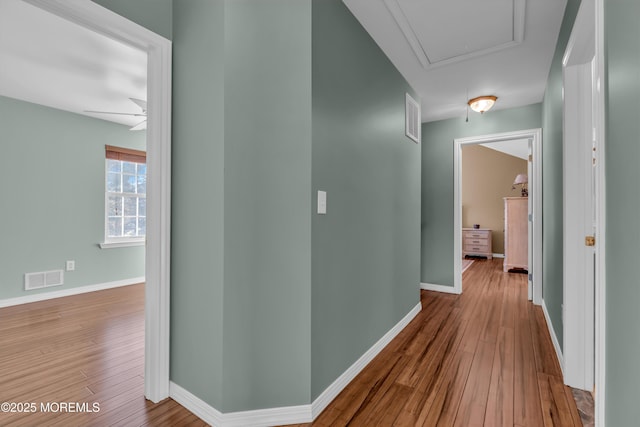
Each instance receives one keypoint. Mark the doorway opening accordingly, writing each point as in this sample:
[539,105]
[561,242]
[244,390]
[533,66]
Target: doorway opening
[584,207]
[157,261]
[533,138]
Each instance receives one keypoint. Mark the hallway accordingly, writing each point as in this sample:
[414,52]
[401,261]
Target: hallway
[483,358]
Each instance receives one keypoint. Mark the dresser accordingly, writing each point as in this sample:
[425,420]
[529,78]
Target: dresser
[477,242]
[516,244]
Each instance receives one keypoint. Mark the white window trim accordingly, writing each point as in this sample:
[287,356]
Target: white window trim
[124,243]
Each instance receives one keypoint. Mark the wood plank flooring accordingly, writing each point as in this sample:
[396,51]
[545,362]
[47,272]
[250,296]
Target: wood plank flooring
[86,348]
[483,358]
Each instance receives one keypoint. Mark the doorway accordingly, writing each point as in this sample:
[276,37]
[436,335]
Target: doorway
[534,138]
[584,210]
[158,49]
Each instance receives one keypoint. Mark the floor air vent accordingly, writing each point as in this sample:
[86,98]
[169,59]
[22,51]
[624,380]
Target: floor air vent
[43,279]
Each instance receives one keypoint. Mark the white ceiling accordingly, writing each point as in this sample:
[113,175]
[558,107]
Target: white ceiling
[454,50]
[49,61]
[516,147]
[449,51]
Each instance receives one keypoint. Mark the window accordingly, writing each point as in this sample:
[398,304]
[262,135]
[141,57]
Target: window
[125,197]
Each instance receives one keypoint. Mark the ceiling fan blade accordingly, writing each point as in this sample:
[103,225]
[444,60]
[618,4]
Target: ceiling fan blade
[140,103]
[119,114]
[140,126]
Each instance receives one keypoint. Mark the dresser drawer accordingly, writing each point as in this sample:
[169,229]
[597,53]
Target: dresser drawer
[476,248]
[477,241]
[482,234]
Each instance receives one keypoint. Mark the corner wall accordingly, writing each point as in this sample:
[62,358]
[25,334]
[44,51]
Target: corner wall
[267,204]
[243,199]
[365,250]
[437,181]
[197,195]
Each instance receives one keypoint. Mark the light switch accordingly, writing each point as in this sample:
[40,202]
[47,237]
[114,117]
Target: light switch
[322,202]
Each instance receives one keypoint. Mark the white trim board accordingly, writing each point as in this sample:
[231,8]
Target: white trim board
[43,296]
[291,414]
[601,279]
[256,418]
[439,288]
[554,338]
[158,253]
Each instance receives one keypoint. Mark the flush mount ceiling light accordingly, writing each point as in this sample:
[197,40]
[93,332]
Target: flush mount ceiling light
[482,103]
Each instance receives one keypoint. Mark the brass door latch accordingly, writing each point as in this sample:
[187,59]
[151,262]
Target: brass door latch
[590,241]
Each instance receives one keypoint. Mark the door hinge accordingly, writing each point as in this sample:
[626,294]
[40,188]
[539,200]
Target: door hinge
[590,241]
[531,157]
[531,277]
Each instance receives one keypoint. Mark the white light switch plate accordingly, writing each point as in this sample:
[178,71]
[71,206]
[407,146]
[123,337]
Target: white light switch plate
[322,202]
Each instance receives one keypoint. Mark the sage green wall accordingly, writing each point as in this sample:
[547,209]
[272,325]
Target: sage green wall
[365,264]
[437,180]
[52,174]
[552,247]
[155,15]
[622,45]
[267,204]
[197,248]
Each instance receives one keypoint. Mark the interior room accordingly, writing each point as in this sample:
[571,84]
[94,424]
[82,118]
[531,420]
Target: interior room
[296,257]
[489,174]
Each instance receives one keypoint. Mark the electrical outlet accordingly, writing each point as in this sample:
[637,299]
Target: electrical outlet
[71,265]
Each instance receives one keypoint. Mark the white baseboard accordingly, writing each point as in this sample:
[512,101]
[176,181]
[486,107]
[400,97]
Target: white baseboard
[554,338]
[498,255]
[292,414]
[343,380]
[258,418]
[439,288]
[8,302]
[269,417]
[199,407]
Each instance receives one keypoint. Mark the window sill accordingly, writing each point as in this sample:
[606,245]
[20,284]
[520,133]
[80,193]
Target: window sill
[126,244]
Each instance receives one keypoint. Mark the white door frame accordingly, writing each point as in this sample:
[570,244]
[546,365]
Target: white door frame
[601,277]
[583,69]
[535,192]
[157,264]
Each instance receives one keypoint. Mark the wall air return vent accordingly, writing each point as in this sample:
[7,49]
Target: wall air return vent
[412,119]
[43,279]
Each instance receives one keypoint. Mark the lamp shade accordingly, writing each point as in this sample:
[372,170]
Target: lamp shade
[482,103]
[521,178]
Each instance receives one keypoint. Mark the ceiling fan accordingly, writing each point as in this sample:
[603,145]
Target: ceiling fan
[140,103]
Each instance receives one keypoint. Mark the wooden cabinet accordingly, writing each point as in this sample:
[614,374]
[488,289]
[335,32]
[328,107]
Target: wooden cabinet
[477,242]
[516,212]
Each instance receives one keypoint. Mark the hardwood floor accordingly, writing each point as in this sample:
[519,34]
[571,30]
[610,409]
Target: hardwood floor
[86,348]
[483,358]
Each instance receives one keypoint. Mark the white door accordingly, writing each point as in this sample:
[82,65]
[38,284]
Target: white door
[580,201]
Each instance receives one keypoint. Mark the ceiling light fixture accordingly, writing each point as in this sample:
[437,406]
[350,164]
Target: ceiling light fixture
[482,103]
